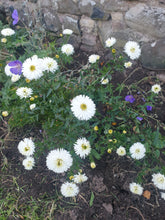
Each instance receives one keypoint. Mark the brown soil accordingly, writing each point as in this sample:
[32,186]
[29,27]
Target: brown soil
[109,181]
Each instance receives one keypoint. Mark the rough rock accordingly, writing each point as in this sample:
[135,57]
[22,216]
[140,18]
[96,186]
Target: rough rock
[116,5]
[69,21]
[108,207]
[88,25]
[68,7]
[99,14]
[47,4]
[51,20]
[149,20]
[86,7]
[153,55]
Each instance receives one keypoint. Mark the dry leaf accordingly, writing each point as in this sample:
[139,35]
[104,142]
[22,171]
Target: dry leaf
[147,194]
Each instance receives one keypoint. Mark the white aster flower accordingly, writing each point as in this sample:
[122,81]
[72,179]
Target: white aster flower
[7,32]
[156,88]
[121,151]
[132,49]
[26,147]
[128,64]
[82,147]
[28,163]
[59,160]
[163,195]
[110,42]
[67,32]
[15,78]
[136,188]
[24,92]
[104,81]
[7,70]
[83,107]
[80,178]
[32,68]
[50,64]
[93,58]
[159,180]
[67,49]
[137,151]
[69,189]
[32,106]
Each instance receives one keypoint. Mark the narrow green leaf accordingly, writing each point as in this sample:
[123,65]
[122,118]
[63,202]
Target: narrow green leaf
[91,199]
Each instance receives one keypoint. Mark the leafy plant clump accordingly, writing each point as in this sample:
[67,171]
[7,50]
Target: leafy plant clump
[79,112]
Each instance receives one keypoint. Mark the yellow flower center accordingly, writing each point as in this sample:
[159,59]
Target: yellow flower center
[161,180]
[27,148]
[84,147]
[59,162]
[32,67]
[50,65]
[25,92]
[135,189]
[132,50]
[83,107]
[137,151]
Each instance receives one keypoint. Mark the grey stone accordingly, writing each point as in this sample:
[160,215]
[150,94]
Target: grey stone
[153,55]
[149,20]
[51,20]
[69,22]
[88,25]
[99,14]
[41,4]
[108,207]
[115,5]
[68,7]
[86,7]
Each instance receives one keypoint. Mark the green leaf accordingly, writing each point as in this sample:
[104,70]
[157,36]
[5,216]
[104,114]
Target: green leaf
[96,154]
[49,91]
[157,153]
[91,199]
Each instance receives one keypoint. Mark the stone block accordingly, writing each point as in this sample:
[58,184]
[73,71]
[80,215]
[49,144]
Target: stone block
[68,7]
[149,20]
[86,7]
[153,55]
[70,22]
[88,25]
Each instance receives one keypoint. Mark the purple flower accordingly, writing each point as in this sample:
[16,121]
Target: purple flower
[15,17]
[16,67]
[149,108]
[129,98]
[139,118]
[143,99]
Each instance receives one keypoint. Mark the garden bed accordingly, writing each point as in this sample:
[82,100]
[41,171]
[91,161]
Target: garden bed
[35,194]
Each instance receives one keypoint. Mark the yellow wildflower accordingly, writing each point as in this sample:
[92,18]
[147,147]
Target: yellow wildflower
[114,141]
[110,131]
[109,150]
[93,165]
[96,128]
[31,98]
[113,50]
[5,113]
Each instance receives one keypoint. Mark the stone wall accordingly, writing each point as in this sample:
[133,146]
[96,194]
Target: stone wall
[93,21]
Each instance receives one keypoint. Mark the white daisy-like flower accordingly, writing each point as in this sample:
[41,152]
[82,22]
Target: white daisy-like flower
[32,106]
[137,151]
[50,64]
[159,180]
[80,178]
[24,92]
[67,32]
[69,189]
[32,68]
[110,42]
[162,195]
[82,147]
[7,70]
[67,49]
[83,107]
[127,64]
[26,147]
[93,58]
[156,88]
[121,151]
[136,188]
[15,78]
[104,81]
[59,160]
[132,49]
[7,32]
[28,163]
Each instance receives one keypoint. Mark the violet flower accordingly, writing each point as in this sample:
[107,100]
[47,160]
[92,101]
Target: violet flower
[129,98]
[16,67]
[149,108]
[15,17]
[139,118]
